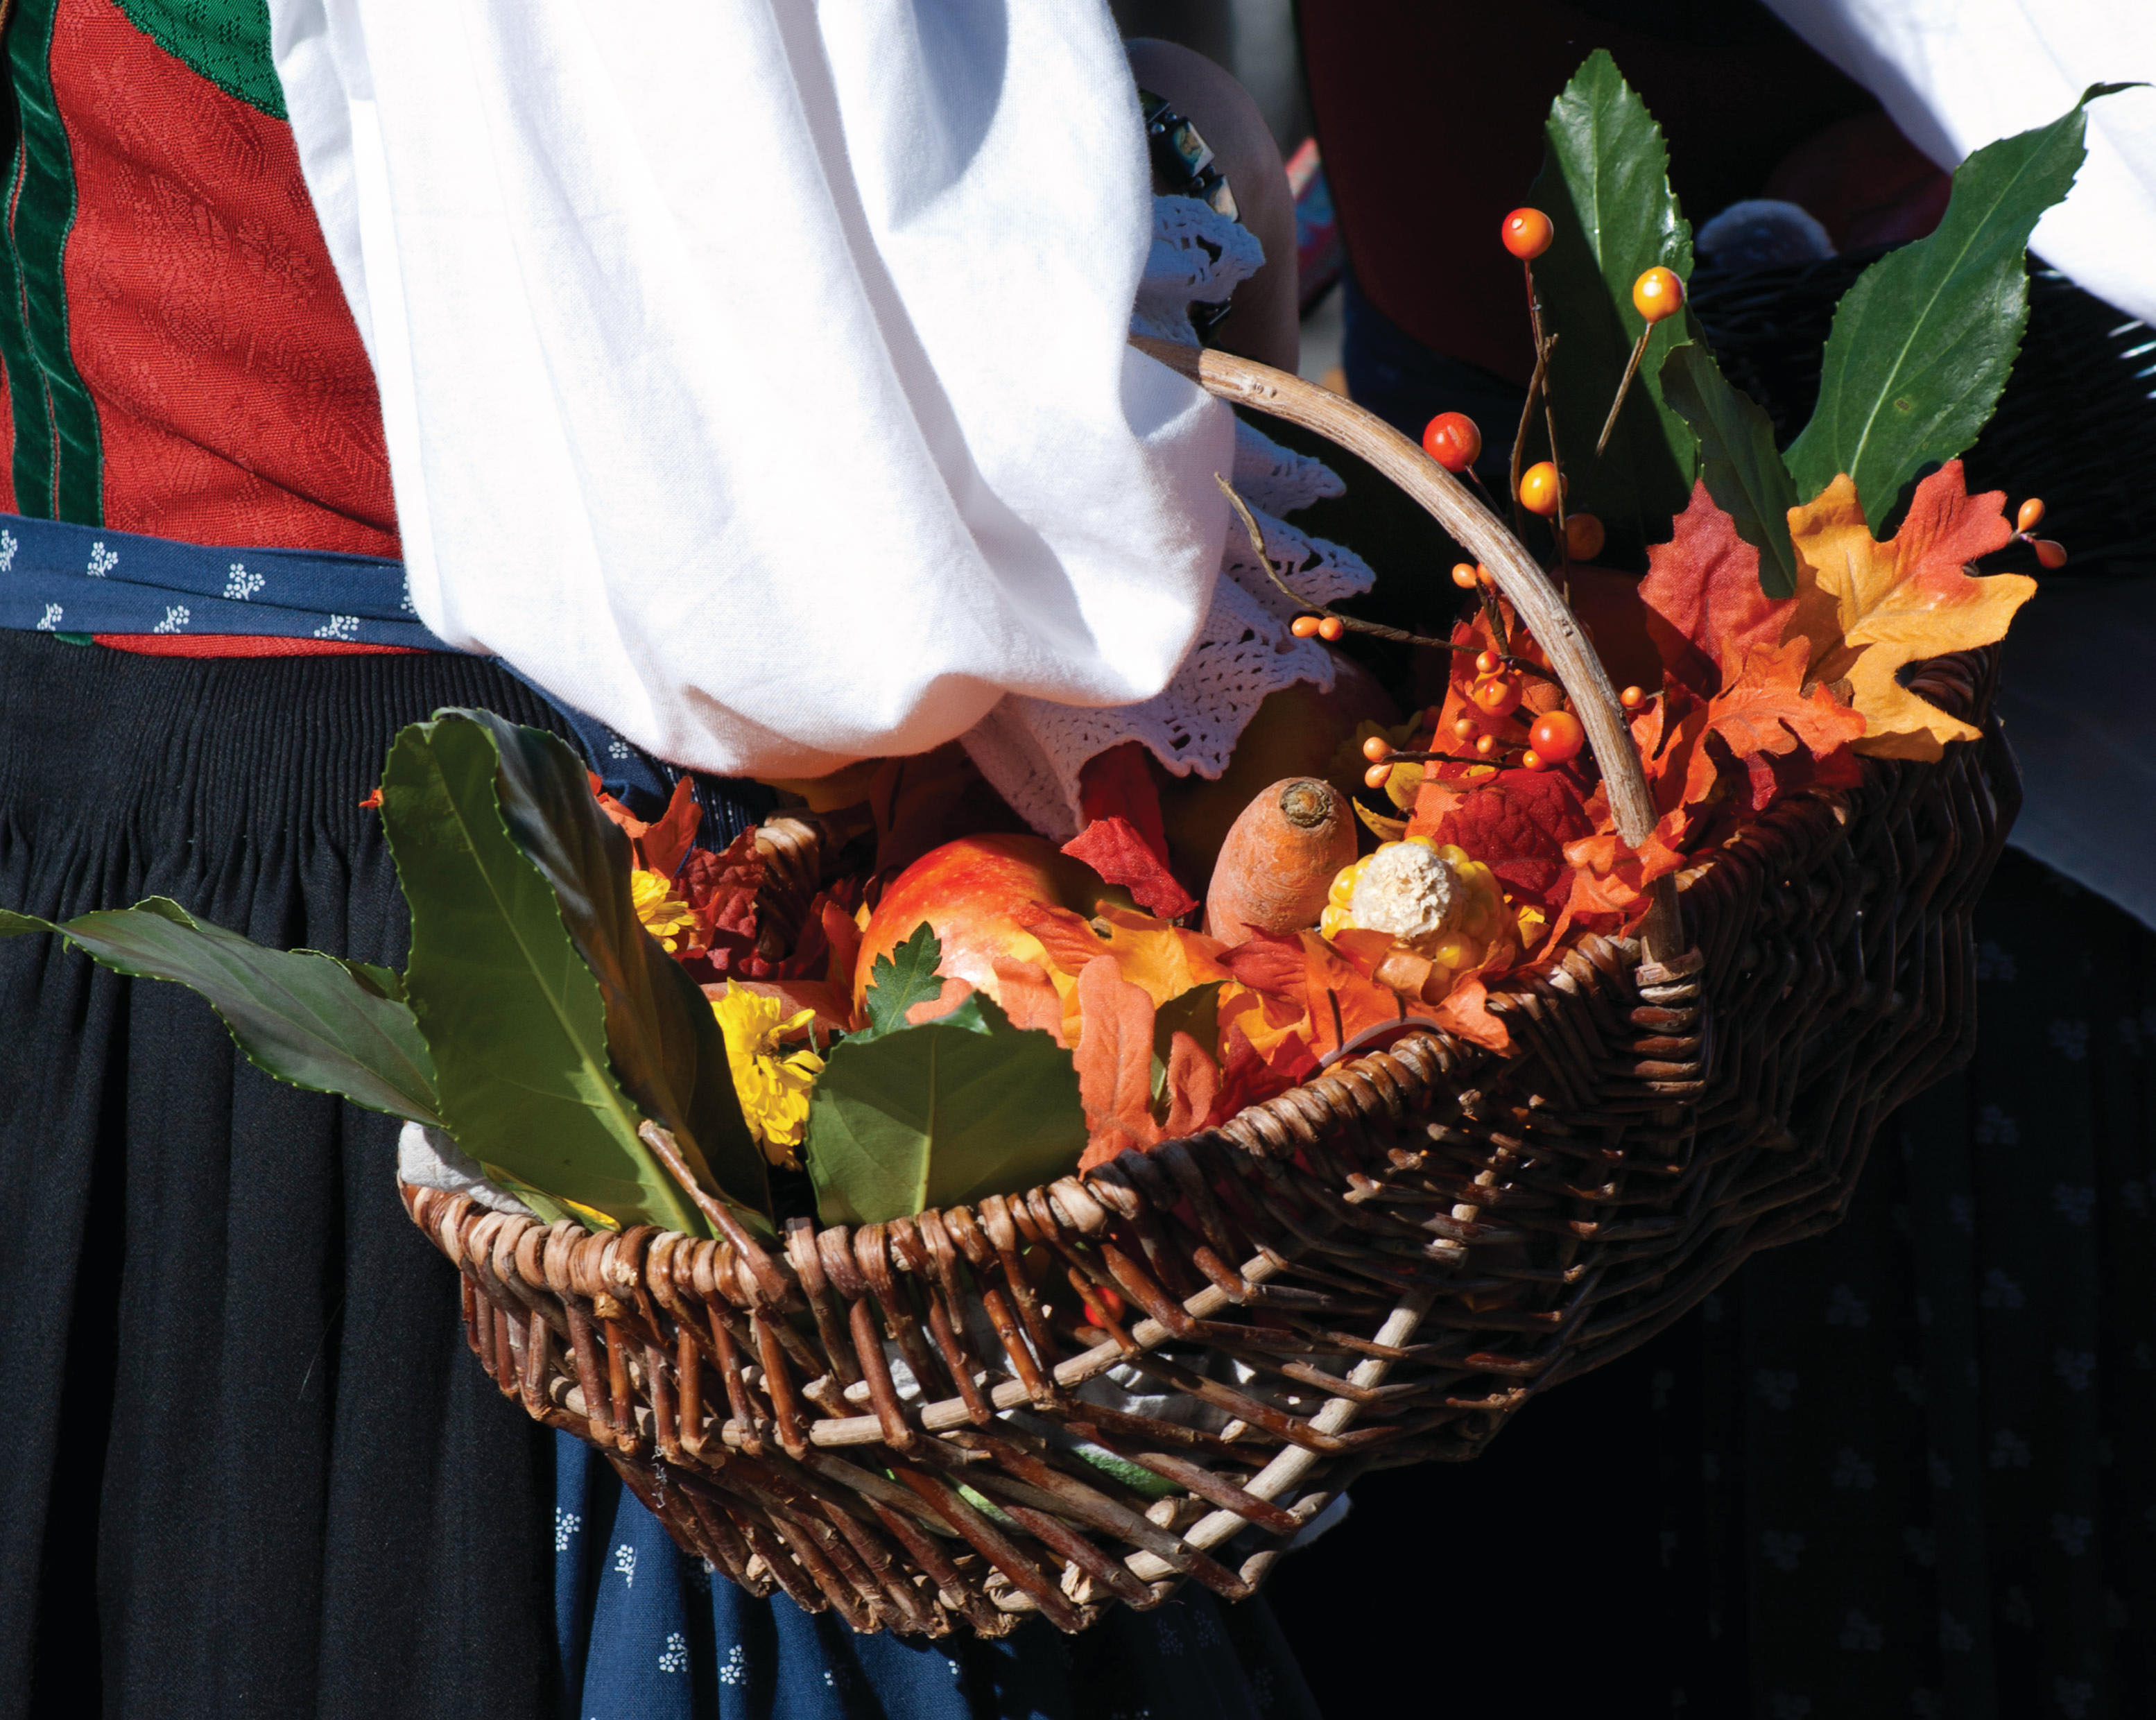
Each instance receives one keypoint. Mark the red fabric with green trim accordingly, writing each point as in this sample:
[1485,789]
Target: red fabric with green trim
[179,357]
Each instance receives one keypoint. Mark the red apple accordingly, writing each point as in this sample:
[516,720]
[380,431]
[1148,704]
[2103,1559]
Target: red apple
[976,894]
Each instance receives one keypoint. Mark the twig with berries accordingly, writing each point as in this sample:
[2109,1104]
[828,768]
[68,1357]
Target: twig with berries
[1321,622]
[1655,295]
[2049,552]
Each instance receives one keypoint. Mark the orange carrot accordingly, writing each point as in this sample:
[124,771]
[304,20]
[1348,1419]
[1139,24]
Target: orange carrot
[1281,857]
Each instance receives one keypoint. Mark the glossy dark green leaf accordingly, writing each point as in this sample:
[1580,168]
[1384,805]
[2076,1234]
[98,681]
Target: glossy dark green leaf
[515,1019]
[1923,343]
[311,1019]
[662,1039]
[1605,185]
[1743,468]
[967,1105]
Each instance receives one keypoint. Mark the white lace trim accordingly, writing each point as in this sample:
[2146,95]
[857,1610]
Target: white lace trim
[1032,750]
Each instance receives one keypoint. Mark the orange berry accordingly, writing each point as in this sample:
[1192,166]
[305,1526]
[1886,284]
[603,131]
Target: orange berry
[1304,627]
[1632,698]
[1658,294]
[1538,489]
[1584,536]
[1557,736]
[1465,728]
[1485,745]
[1526,234]
[1454,440]
[1463,576]
[1378,776]
[1495,696]
[2051,555]
[1377,749]
[1482,575]
[1532,760]
[1487,662]
[1331,627]
[2030,516]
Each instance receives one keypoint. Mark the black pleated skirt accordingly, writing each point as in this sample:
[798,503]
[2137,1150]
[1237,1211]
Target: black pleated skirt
[244,1468]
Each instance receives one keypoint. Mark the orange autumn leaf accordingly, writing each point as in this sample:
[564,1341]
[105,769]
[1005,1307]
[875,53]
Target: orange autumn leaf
[1340,999]
[1866,609]
[1194,1085]
[1465,1011]
[1031,997]
[662,844]
[1764,706]
[1165,959]
[1115,1062]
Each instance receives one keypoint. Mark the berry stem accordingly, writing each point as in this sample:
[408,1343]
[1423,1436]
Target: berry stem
[1353,625]
[1520,440]
[1616,406]
[1544,343]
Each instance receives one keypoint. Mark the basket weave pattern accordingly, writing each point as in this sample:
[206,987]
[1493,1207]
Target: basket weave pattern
[1398,1253]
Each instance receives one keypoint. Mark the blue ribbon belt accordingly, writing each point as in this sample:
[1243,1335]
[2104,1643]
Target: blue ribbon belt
[75,580]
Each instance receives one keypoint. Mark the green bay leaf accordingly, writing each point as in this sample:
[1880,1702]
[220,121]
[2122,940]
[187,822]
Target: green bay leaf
[514,1018]
[1604,184]
[314,1020]
[1923,343]
[1742,467]
[943,1113]
[662,1041]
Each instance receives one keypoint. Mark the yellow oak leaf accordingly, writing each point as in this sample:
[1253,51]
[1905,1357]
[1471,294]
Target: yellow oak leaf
[1867,609]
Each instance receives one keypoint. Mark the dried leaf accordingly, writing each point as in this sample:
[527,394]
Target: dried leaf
[1266,962]
[1114,848]
[1249,1076]
[1702,596]
[1866,609]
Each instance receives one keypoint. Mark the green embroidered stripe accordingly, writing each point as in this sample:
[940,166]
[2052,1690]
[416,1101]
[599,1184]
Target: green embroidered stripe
[57,453]
[227,41]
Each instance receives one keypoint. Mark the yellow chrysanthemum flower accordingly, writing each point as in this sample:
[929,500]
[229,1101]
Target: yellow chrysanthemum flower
[665,916]
[772,1084]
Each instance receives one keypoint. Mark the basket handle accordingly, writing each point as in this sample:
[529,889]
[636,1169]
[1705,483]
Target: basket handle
[1518,576]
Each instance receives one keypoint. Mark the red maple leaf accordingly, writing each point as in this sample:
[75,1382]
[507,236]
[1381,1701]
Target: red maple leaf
[1119,783]
[1703,596]
[722,889]
[1117,850]
[1516,825]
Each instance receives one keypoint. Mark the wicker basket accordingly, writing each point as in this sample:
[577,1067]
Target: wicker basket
[1378,1268]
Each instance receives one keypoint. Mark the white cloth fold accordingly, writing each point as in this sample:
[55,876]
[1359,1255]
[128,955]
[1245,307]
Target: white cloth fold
[1957,75]
[755,374]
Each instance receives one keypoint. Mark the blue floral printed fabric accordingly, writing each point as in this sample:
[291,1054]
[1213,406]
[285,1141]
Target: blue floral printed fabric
[60,577]
[647,1633]
[79,581]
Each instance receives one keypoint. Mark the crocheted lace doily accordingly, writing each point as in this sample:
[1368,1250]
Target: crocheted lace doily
[1033,750]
